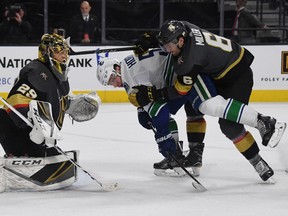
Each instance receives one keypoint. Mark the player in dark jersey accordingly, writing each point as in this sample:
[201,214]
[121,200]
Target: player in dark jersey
[39,99]
[43,79]
[195,51]
[29,164]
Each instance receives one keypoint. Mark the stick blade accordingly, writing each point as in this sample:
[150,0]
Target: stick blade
[199,187]
[111,187]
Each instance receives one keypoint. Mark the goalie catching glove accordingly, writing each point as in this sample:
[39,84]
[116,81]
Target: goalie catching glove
[44,127]
[84,107]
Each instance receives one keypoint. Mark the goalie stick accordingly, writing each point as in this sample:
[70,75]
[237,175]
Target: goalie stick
[97,51]
[196,184]
[111,187]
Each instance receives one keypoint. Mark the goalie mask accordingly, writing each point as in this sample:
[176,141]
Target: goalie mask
[107,69]
[54,49]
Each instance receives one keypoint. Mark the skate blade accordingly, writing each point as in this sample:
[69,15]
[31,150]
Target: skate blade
[271,180]
[277,135]
[195,171]
[176,172]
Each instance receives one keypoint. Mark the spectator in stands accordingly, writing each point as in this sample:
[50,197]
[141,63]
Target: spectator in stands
[14,29]
[84,27]
[244,20]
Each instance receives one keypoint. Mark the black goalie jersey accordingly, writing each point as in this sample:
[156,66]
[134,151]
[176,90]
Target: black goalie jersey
[37,82]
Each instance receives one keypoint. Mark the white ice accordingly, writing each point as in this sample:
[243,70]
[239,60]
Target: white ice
[115,148]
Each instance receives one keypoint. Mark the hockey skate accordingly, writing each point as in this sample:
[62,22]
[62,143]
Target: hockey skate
[193,160]
[264,170]
[270,130]
[169,167]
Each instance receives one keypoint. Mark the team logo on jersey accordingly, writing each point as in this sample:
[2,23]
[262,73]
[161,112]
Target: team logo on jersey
[44,76]
[284,64]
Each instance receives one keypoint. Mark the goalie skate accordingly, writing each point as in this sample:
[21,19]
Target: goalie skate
[277,135]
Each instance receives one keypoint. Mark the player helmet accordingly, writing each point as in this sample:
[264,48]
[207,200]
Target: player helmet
[50,45]
[106,68]
[170,31]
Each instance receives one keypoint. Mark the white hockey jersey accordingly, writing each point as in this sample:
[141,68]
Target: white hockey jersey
[151,69]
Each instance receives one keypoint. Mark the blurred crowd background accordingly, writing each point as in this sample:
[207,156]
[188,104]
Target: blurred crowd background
[121,21]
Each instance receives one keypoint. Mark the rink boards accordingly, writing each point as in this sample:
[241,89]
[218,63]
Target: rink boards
[270,68]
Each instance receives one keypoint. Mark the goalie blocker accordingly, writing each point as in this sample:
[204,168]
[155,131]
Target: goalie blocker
[38,174]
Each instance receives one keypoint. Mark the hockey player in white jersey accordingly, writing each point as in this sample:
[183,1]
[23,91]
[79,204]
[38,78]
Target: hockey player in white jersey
[202,94]
[144,70]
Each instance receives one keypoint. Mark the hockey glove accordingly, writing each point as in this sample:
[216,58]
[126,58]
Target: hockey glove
[144,118]
[83,107]
[143,95]
[146,41]
[166,143]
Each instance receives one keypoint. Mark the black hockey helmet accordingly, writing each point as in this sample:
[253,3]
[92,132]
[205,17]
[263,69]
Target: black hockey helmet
[170,31]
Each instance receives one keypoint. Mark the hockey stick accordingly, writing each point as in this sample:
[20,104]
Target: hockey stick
[72,52]
[111,187]
[196,184]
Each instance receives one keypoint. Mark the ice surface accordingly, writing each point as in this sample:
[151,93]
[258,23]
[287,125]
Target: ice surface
[115,148]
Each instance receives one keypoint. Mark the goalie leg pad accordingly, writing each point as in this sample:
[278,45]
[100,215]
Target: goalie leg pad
[38,174]
[2,177]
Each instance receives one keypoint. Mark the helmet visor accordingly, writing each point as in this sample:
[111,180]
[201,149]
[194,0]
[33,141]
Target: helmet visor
[169,46]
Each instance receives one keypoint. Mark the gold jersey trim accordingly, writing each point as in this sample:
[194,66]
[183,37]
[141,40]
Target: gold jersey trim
[231,66]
